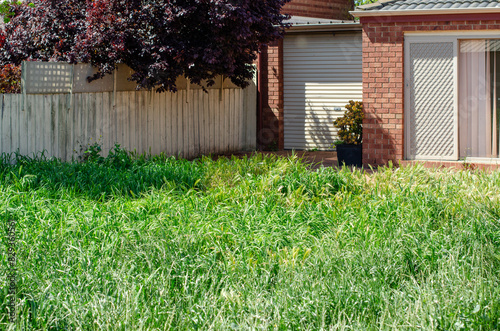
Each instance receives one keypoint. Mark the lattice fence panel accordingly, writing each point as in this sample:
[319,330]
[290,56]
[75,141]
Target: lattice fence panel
[47,77]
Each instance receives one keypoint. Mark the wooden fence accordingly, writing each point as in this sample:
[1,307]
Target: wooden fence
[187,123]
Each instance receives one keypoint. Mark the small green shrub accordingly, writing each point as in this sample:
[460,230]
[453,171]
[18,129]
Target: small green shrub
[350,126]
[93,153]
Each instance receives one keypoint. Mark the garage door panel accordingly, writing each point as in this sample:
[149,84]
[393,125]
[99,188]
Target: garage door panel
[298,94]
[294,94]
[315,112]
[318,99]
[320,119]
[337,79]
[322,57]
[334,69]
[327,73]
[322,72]
[318,138]
[318,130]
[320,63]
[299,119]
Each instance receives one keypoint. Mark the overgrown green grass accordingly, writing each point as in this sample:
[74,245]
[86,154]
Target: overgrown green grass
[253,243]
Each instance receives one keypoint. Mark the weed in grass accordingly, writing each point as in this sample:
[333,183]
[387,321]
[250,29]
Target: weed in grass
[469,166]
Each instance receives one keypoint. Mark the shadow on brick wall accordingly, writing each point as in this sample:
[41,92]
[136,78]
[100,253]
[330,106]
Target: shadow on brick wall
[379,146]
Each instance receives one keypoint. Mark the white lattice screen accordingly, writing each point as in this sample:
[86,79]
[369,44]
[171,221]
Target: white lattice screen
[57,77]
[47,77]
[431,88]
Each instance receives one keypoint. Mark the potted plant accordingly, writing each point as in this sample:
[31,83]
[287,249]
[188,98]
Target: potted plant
[350,133]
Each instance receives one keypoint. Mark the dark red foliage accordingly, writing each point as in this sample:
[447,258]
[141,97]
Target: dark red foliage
[44,31]
[2,37]
[159,40]
[10,79]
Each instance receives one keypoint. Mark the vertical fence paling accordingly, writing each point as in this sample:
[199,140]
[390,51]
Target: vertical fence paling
[187,123]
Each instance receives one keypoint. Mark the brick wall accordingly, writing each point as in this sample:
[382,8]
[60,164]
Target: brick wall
[333,9]
[383,76]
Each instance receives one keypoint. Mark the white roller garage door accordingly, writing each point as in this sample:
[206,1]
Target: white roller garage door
[322,72]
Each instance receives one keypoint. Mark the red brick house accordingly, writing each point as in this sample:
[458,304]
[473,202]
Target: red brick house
[301,77]
[431,80]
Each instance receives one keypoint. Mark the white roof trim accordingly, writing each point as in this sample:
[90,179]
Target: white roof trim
[297,20]
[410,12]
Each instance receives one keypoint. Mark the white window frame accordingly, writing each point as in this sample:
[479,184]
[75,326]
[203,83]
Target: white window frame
[433,37]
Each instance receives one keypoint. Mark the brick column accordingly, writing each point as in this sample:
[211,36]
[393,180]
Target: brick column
[382,94]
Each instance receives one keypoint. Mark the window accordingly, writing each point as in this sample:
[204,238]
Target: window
[452,96]
[479,93]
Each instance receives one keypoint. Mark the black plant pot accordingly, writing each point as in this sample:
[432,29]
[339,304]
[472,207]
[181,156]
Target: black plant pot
[350,155]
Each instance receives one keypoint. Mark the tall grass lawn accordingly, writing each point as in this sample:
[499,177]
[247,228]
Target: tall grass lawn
[257,243]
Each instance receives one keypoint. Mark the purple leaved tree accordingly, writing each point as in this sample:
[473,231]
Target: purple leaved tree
[159,40]
[45,30]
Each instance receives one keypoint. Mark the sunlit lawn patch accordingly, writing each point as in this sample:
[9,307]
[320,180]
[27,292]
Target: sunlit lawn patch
[259,242]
